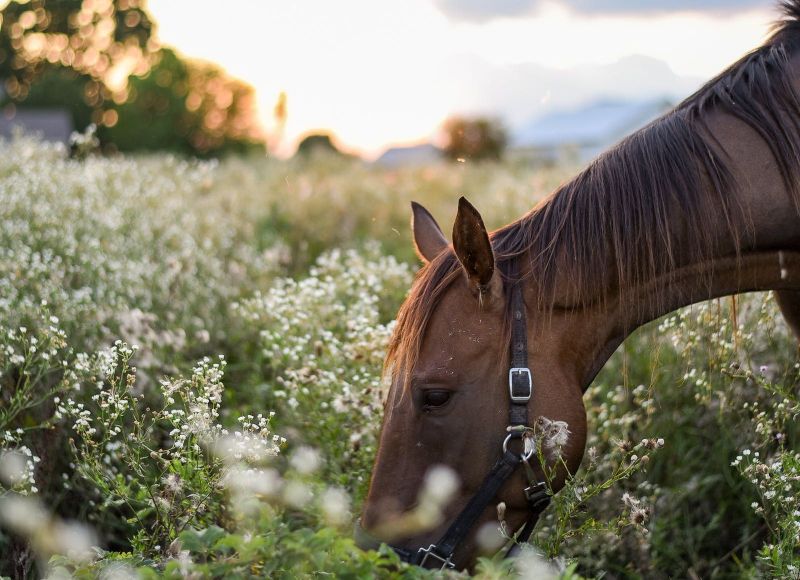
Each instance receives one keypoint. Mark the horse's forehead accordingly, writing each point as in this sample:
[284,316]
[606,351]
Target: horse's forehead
[459,330]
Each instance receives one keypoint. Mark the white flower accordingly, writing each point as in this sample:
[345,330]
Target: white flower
[297,494]
[440,485]
[173,483]
[305,460]
[530,564]
[554,434]
[335,506]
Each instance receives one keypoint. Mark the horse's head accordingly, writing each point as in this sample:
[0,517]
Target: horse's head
[447,410]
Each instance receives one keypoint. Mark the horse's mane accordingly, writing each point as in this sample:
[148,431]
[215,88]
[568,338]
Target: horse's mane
[613,225]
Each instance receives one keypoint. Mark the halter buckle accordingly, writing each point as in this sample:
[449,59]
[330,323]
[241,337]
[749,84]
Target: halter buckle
[431,553]
[536,493]
[520,384]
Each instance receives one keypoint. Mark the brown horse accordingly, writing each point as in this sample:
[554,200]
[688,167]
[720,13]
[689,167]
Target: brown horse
[701,203]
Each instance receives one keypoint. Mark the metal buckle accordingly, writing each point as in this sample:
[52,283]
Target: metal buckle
[520,371]
[429,553]
[536,492]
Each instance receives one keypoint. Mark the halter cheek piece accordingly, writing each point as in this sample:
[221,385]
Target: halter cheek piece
[520,388]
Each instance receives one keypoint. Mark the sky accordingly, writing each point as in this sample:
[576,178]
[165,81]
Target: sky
[377,73]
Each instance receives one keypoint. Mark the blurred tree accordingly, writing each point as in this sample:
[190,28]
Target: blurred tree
[188,106]
[474,138]
[100,41]
[315,143]
[94,58]
[65,88]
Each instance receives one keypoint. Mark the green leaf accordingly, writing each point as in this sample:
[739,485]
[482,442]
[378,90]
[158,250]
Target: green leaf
[201,540]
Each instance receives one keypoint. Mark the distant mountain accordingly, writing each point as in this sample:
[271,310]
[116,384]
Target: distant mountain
[410,155]
[590,128]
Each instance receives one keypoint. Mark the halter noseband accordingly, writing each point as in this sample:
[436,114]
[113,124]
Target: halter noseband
[520,388]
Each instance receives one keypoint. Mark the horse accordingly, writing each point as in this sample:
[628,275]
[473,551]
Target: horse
[503,330]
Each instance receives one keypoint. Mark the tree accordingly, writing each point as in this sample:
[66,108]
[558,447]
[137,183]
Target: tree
[474,138]
[99,60]
[65,88]
[315,143]
[99,40]
[188,106]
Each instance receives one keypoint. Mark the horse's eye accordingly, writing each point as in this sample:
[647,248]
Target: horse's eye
[435,398]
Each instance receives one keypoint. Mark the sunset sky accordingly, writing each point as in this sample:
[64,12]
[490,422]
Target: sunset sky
[377,73]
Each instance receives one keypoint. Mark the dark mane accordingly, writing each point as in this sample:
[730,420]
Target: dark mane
[613,225]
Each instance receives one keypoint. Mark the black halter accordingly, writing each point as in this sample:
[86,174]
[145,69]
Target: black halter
[520,387]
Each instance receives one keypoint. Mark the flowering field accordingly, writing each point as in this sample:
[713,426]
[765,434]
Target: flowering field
[190,386]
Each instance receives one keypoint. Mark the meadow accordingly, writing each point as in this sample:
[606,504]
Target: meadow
[190,382]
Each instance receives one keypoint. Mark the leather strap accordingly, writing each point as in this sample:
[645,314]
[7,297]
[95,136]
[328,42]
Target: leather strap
[520,383]
[461,526]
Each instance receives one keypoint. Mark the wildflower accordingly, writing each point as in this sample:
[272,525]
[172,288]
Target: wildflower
[554,434]
[173,483]
[18,468]
[638,516]
[253,482]
[530,564]
[441,483]
[297,494]
[49,534]
[12,468]
[490,537]
[652,443]
[305,460]
[335,505]
[501,511]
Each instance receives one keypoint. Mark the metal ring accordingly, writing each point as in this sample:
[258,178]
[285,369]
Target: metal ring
[523,456]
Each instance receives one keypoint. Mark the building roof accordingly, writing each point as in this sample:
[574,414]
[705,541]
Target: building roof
[48,124]
[411,155]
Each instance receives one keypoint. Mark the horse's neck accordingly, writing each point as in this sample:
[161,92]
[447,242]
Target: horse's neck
[765,255]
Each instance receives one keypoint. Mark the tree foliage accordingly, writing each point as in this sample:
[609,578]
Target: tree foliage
[99,59]
[188,106]
[316,143]
[98,39]
[474,138]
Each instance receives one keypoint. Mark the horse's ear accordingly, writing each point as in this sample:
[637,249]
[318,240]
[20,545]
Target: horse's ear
[472,246]
[429,240]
